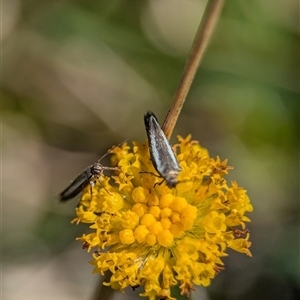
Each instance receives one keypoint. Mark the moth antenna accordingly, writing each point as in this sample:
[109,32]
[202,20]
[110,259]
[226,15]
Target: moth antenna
[111,149]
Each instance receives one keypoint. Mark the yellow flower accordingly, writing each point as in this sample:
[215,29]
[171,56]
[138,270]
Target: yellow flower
[149,235]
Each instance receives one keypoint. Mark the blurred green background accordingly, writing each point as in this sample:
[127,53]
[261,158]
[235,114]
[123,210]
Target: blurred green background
[77,77]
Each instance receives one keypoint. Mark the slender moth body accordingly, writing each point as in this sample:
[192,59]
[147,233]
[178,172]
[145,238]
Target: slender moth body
[77,185]
[162,156]
[86,177]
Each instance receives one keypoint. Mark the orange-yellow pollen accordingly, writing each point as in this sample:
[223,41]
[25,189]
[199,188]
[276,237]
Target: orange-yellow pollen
[140,233]
[158,223]
[175,218]
[155,211]
[178,204]
[139,194]
[165,223]
[130,219]
[140,209]
[166,212]
[165,200]
[151,239]
[165,238]
[126,236]
[155,228]
[147,219]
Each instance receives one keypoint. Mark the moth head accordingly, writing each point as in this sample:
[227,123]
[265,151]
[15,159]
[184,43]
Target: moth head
[171,179]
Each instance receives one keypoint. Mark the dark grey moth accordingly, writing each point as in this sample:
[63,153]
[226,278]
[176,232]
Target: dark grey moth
[88,176]
[162,156]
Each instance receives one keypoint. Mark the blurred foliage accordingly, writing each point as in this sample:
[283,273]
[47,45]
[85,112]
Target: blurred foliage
[77,77]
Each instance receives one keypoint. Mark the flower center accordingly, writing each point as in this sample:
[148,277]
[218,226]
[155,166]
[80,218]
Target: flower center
[156,221]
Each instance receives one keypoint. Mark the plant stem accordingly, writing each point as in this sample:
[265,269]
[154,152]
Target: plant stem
[209,20]
[103,291]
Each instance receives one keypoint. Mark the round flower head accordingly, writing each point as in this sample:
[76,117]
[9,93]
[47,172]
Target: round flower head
[147,234]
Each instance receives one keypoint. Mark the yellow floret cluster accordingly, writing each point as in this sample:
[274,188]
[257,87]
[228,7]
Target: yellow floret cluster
[149,235]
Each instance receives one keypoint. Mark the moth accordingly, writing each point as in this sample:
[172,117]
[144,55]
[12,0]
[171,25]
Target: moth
[162,156]
[85,178]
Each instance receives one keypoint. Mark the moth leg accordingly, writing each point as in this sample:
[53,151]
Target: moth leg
[158,183]
[92,183]
[145,172]
[158,176]
[98,178]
